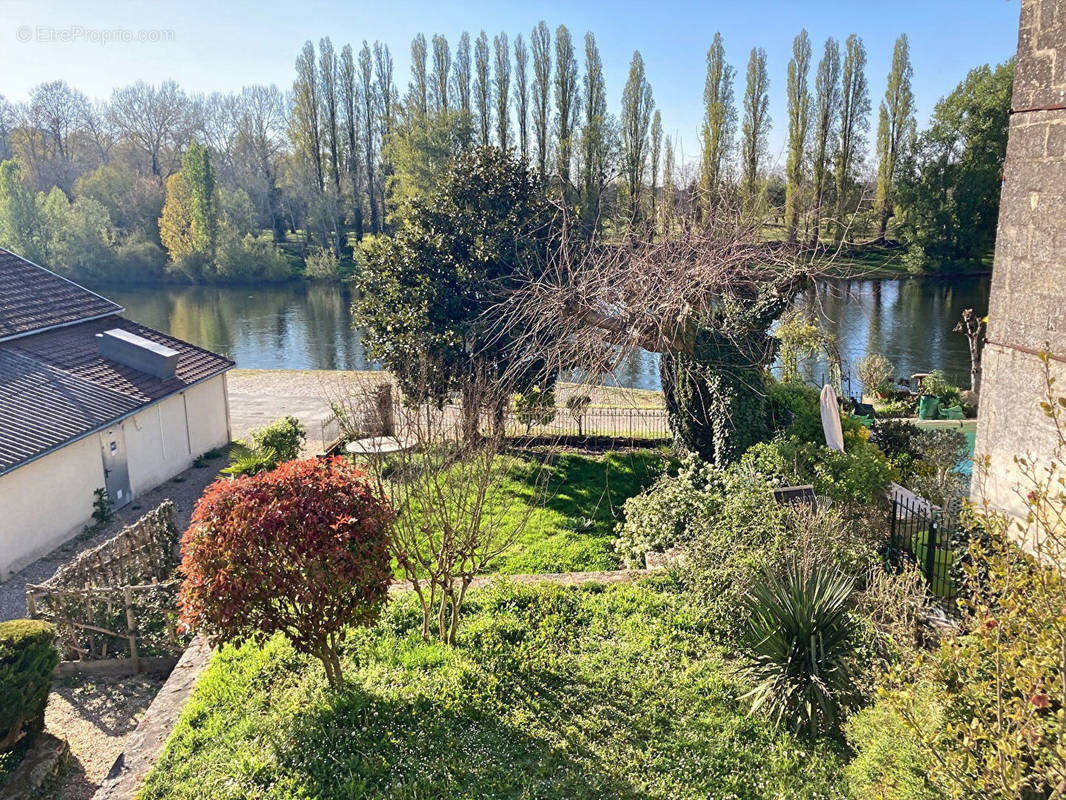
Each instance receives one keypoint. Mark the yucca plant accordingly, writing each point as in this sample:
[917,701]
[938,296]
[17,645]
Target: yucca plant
[800,638]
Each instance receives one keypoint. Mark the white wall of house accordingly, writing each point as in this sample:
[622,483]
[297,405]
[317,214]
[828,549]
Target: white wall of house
[46,502]
[49,500]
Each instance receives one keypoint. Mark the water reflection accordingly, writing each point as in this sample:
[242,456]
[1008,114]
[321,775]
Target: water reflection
[309,326]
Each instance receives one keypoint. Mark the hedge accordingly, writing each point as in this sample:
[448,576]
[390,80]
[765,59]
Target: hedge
[28,656]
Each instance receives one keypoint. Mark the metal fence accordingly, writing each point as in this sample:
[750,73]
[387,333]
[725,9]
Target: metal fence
[922,533]
[611,425]
[631,424]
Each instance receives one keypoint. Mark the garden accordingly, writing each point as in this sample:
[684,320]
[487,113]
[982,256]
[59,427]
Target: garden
[382,621]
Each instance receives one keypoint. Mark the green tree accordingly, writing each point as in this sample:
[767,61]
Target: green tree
[199,177]
[799,122]
[540,47]
[756,122]
[502,90]
[854,120]
[826,108]
[20,226]
[895,129]
[420,152]
[637,105]
[719,121]
[949,192]
[567,103]
[425,294]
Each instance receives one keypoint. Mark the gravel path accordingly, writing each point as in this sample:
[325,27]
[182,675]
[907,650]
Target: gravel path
[94,714]
[184,489]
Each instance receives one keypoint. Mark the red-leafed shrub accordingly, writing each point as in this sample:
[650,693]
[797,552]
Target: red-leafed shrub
[302,549]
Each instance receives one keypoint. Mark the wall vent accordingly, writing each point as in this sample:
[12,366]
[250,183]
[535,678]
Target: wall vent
[135,351]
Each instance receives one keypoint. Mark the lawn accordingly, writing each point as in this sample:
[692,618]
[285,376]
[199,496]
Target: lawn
[576,503]
[550,692]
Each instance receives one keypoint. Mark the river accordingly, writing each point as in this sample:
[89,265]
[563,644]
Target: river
[309,326]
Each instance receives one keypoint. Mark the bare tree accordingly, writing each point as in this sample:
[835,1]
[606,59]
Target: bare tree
[454,511]
[462,72]
[156,120]
[521,94]
[502,89]
[703,299]
[350,101]
[440,78]
[258,149]
[368,110]
[972,326]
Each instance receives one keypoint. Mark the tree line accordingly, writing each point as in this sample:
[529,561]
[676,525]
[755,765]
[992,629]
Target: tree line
[264,183]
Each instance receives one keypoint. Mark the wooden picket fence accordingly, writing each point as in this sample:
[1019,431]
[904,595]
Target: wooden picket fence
[117,600]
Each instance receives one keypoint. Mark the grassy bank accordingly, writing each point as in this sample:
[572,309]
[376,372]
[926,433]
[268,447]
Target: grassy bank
[576,503]
[588,692]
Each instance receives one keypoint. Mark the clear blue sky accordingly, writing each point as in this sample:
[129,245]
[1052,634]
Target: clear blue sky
[224,45]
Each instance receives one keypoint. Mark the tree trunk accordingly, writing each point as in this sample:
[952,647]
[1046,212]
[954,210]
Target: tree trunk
[716,402]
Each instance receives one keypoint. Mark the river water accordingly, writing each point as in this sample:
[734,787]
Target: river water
[309,326]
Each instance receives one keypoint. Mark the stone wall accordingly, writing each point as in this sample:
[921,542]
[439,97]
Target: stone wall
[1027,307]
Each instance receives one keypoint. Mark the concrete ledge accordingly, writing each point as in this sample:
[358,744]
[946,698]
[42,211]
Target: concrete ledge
[40,764]
[144,745]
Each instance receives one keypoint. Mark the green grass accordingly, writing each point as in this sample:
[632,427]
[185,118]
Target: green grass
[576,502]
[550,692]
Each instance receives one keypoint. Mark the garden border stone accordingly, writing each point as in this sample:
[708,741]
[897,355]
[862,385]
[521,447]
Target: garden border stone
[144,745]
[40,763]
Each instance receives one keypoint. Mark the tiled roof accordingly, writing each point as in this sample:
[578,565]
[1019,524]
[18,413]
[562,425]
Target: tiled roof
[33,299]
[42,407]
[55,387]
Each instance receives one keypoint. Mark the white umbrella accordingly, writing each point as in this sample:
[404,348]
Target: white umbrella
[834,435]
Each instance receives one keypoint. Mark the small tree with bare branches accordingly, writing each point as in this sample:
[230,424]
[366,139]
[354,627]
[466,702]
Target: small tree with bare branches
[704,299]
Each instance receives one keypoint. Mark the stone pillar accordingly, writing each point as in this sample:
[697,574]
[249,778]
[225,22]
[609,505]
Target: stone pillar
[1027,307]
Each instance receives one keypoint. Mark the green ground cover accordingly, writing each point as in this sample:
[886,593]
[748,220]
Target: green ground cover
[576,502]
[550,692]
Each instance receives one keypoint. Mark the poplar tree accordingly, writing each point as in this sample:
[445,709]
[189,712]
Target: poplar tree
[502,86]
[854,121]
[595,147]
[567,102]
[383,71]
[199,178]
[462,72]
[826,107]
[521,94]
[799,120]
[656,155]
[756,121]
[666,208]
[352,156]
[303,120]
[418,90]
[368,118]
[540,47]
[896,129]
[719,121]
[637,105]
[441,76]
[482,88]
[327,62]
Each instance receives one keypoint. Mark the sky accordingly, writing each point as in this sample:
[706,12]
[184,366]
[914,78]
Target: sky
[220,46]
